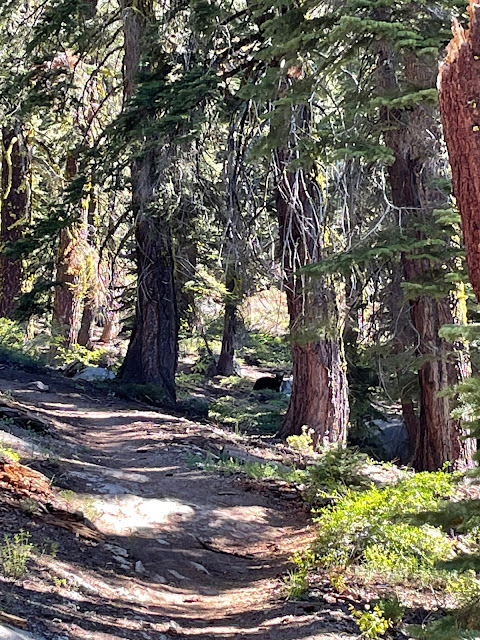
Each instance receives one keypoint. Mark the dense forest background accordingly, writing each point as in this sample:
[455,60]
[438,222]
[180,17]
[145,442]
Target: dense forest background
[160,160]
[196,189]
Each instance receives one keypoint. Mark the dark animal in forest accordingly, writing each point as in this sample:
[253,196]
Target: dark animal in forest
[269,383]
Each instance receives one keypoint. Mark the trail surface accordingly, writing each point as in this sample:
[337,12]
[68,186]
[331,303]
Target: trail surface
[186,553]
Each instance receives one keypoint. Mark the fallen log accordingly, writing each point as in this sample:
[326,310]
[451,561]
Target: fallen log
[25,483]
[21,416]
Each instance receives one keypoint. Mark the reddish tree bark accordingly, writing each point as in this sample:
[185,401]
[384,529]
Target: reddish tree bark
[319,397]
[111,328]
[14,205]
[459,96]
[440,437]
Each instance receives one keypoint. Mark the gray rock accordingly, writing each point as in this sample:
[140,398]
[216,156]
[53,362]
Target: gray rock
[38,386]
[286,386]
[91,374]
[139,568]
[119,551]
[391,436]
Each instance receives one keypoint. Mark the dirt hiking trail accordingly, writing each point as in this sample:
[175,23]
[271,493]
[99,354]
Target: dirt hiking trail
[183,553]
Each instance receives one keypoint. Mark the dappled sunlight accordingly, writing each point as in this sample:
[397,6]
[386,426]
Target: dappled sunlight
[89,468]
[124,514]
[185,549]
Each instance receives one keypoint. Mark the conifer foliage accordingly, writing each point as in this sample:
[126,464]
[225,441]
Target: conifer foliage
[151,149]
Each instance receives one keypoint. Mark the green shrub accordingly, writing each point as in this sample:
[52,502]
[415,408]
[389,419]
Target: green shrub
[371,622]
[267,350]
[256,470]
[150,393]
[48,348]
[446,628]
[248,414]
[14,345]
[296,580]
[12,335]
[14,553]
[337,470]
[303,442]
[369,528]
[8,451]
[90,357]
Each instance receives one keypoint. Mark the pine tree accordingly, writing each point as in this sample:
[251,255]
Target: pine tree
[153,348]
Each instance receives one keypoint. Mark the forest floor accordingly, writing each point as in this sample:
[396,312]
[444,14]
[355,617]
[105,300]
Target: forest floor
[168,550]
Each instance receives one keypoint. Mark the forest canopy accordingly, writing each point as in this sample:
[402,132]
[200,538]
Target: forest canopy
[162,163]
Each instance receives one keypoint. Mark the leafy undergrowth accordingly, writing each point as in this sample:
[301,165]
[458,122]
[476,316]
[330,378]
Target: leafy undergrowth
[43,347]
[336,471]
[255,470]
[372,540]
[265,350]
[231,403]
[374,537]
[255,413]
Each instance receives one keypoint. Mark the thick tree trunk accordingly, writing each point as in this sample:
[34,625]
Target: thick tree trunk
[225,361]
[153,349]
[152,352]
[14,208]
[440,437]
[319,392]
[319,397]
[67,303]
[459,96]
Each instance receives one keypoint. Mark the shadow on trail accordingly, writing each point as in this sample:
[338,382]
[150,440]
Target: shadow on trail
[211,554]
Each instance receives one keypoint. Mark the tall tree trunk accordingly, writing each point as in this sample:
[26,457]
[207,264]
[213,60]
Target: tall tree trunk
[412,174]
[153,349]
[85,334]
[67,304]
[111,325]
[404,341]
[110,328]
[235,239]
[319,397]
[226,359]
[459,96]
[14,208]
